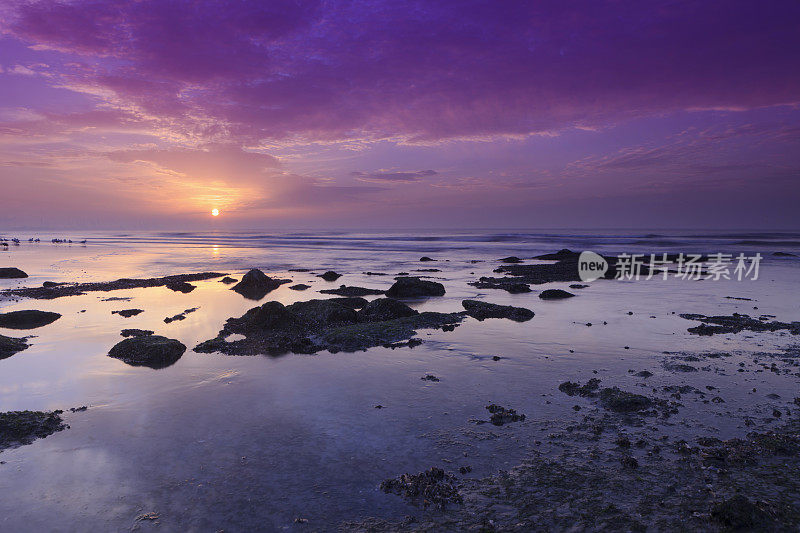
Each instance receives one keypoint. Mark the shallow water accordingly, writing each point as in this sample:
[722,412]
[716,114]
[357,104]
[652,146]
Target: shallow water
[242,443]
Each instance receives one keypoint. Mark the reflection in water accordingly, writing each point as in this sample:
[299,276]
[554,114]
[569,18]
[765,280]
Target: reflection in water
[241,443]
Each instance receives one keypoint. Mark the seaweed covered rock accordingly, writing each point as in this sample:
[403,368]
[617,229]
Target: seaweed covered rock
[432,487]
[483,310]
[354,302]
[11,345]
[132,332]
[384,309]
[615,399]
[255,284]
[18,428]
[323,313]
[500,415]
[12,273]
[181,286]
[27,319]
[555,294]
[740,514]
[413,287]
[153,351]
[308,327]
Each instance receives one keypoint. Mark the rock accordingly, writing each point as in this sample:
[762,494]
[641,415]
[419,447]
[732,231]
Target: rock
[316,313]
[578,286]
[425,258]
[181,286]
[300,287]
[411,287]
[12,273]
[227,280]
[180,316]
[255,284]
[430,377]
[432,487]
[18,428]
[517,288]
[738,513]
[384,309]
[576,389]
[27,319]
[555,294]
[353,302]
[735,323]
[75,289]
[127,313]
[644,374]
[308,327]
[330,275]
[783,254]
[11,345]
[344,290]
[483,310]
[617,400]
[511,259]
[135,332]
[561,255]
[501,415]
[153,351]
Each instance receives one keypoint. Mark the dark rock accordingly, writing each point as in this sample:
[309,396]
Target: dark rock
[316,313]
[153,351]
[511,259]
[352,292]
[433,487]
[127,313]
[517,288]
[783,254]
[740,514]
[12,273]
[27,319]
[18,428]
[11,345]
[427,270]
[426,258]
[227,280]
[180,286]
[501,415]
[483,310]
[430,377]
[617,400]
[576,389]
[561,255]
[353,302]
[578,286]
[735,323]
[255,284]
[384,309]
[330,275]
[300,287]
[75,289]
[644,374]
[411,287]
[135,332]
[308,327]
[180,316]
[555,294]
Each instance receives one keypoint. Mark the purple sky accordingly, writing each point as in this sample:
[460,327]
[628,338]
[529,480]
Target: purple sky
[538,114]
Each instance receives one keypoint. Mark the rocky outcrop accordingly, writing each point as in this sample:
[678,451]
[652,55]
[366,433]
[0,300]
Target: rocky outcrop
[555,294]
[255,284]
[153,351]
[384,309]
[483,310]
[412,287]
[27,319]
[11,345]
[12,273]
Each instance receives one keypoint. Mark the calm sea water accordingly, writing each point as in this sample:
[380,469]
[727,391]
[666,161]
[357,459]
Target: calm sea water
[247,443]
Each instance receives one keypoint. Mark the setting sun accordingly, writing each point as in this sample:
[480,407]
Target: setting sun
[215,212]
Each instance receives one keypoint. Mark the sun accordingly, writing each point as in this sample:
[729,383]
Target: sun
[215,212]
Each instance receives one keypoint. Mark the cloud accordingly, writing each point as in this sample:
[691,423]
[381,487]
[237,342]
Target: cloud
[393,176]
[414,70]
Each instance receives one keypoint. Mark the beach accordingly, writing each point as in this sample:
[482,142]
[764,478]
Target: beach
[305,439]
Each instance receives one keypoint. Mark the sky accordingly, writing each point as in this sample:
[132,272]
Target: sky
[148,114]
